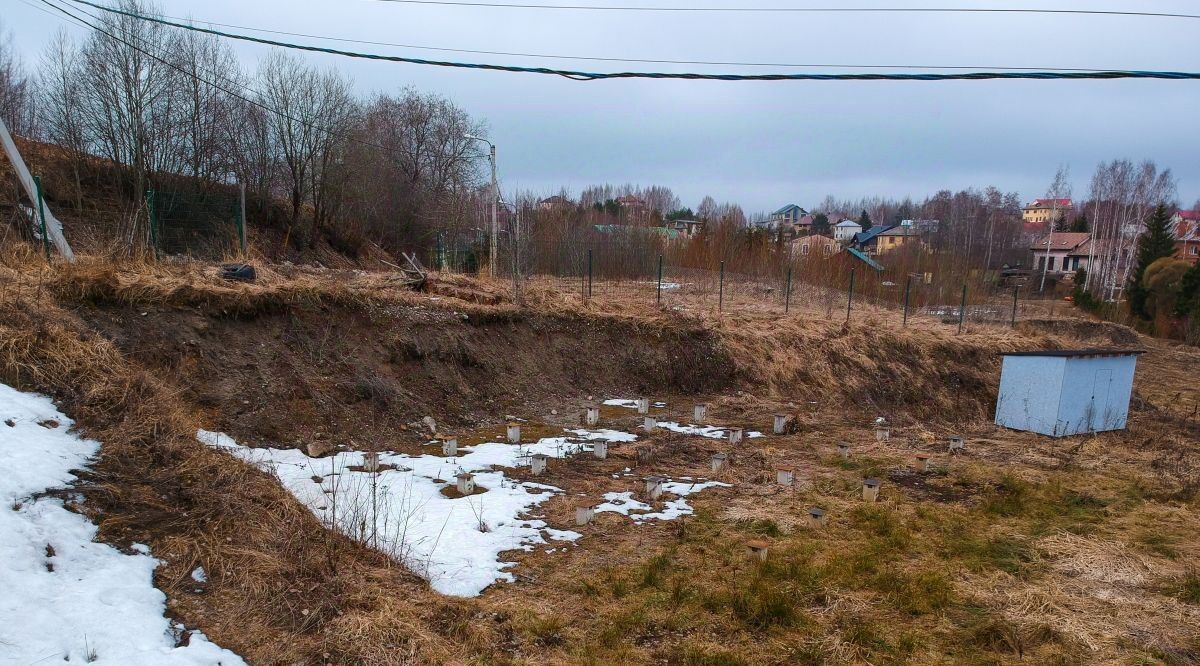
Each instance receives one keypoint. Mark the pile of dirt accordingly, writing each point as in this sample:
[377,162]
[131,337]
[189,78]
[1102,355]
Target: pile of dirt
[1093,331]
[342,374]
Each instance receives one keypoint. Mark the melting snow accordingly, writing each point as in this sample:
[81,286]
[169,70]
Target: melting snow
[454,543]
[632,404]
[67,598]
[713,432]
[625,504]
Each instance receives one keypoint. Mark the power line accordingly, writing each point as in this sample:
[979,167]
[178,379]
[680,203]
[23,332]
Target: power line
[594,76]
[795,10]
[656,61]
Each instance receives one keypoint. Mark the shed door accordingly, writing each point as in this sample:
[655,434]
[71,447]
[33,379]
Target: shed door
[1098,411]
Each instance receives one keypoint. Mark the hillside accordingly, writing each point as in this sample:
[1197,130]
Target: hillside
[100,217]
[1021,548]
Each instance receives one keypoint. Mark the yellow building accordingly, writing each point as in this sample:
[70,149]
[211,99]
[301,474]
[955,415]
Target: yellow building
[895,238]
[1043,211]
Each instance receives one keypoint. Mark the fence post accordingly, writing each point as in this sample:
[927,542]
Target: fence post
[1013,323]
[962,309]
[37,181]
[589,286]
[152,216]
[850,295]
[659,296]
[721,290]
[787,292]
[242,216]
[907,291]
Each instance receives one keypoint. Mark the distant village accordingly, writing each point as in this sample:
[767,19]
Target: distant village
[1055,247]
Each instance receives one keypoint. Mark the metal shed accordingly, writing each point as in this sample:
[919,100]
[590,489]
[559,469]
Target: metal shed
[1066,392]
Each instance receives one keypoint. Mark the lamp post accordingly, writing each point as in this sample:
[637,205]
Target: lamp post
[495,202]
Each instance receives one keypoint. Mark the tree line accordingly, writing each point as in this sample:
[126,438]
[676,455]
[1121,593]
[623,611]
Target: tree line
[175,109]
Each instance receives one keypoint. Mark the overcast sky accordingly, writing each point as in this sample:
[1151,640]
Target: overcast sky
[766,144]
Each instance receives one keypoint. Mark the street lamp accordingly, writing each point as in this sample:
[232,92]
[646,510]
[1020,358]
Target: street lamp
[495,202]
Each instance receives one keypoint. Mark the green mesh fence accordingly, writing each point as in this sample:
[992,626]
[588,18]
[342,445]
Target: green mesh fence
[204,225]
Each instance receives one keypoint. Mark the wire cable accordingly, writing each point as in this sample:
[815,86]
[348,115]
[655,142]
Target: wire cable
[595,76]
[654,61]
[796,10]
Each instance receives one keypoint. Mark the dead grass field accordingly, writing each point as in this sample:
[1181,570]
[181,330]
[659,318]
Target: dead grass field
[1020,550]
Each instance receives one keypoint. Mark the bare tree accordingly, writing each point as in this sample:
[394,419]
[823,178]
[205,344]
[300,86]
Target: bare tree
[1060,188]
[16,90]
[1122,196]
[303,99]
[131,97]
[61,85]
[206,68]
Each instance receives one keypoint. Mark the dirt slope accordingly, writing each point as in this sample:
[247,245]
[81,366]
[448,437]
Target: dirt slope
[141,356]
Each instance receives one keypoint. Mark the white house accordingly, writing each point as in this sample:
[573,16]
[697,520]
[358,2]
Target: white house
[1052,251]
[845,230]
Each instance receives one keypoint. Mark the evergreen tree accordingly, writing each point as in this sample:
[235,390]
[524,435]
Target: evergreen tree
[1188,304]
[1155,243]
[864,220]
[681,214]
[820,225]
[1080,224]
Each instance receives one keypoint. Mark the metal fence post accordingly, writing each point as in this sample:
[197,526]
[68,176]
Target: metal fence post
[153,219]
[659,295]
[37,181]
[850,295]
[962,308]
[787,292]
[721,290]
[907,291]
[1013,323]
[242,216]
[589,284]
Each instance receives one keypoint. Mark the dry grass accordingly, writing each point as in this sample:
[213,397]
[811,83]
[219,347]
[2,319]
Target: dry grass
[1063,551]
[282,588]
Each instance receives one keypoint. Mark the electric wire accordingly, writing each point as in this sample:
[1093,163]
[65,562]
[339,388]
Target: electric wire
[593,76]
[797,10]
[655,61]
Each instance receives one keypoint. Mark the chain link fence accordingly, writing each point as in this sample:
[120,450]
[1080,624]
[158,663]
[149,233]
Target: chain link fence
[839,286]
[204,225]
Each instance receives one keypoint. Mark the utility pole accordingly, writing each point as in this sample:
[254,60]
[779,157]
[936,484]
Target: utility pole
[495,212]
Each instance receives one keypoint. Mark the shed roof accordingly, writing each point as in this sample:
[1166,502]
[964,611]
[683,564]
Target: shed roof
[1072,353]
[1063,240]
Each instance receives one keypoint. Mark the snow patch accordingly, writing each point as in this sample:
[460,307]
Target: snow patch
[712,432]
[453,542]
[67,598]
[625,504]
[630,403]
